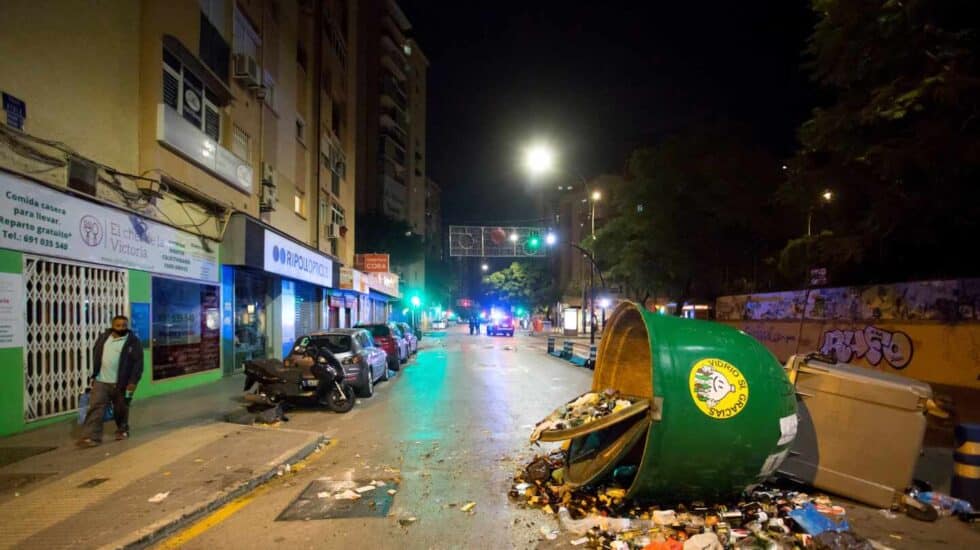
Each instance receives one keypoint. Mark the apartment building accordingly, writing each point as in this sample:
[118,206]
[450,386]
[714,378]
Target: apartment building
[433,220]
[391,123]
[188,164]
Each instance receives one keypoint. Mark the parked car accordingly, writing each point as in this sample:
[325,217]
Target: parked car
[409,334]
[363,362]
[501,325]
[388,337]
[439,324]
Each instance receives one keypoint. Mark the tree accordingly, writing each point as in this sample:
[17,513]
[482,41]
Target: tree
[521,283]
[693,217]
[900,143]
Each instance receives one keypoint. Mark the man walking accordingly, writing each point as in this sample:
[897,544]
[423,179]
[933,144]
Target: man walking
[118,357]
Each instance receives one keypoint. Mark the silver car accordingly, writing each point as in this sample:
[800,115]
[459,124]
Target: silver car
[363,362]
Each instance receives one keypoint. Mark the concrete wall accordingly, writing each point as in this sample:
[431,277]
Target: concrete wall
[928,330]
[81,86]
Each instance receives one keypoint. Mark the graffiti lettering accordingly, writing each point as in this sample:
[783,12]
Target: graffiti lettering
[871,343]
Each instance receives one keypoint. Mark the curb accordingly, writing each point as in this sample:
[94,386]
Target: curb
[163,531]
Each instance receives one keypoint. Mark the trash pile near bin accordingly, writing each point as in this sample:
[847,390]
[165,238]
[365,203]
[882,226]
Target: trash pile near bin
[768,517]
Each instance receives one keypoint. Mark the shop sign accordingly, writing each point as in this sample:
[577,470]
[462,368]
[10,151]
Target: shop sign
[385,283]
[336,301]
[11,310]
[295,261]
[350,301]
[39,220]
[372,263]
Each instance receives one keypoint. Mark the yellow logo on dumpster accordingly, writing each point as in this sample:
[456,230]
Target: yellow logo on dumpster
[718,388]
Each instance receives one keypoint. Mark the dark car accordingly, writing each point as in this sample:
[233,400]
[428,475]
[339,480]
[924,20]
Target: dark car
[363,362]
[389,338]
[409,334]
[501,325]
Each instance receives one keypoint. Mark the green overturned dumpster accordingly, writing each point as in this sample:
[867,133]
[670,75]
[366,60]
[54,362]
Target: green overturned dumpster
[701,410]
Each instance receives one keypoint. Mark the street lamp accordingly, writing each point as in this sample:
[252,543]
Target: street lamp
[539,159]
[484,267]
[596,195]
[550,239]
[594,268]
[513,237]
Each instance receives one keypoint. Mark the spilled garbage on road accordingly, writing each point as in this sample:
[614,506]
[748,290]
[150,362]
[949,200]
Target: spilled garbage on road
[688,465]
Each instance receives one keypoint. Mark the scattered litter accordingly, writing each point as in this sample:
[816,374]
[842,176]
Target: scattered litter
[584,409]
[468,506]
[347,495]
[888,513]
[814,523]
[407,521]
[323,494]
[365,489]
[580,541]
[549,533]
[378,483]
[198,460]
[158,498]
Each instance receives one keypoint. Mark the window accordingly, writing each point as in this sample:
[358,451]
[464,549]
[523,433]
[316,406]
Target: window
[300,130]
[185,93]
[246,38]
[186,328]
[214,50]
[301,58]
[337,215]
[241,143]
[270,90]
[336,117]
[299,204]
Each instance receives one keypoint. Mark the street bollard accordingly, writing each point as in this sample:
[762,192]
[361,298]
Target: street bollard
[966,464]
[592,355]
[566,349]
[551,345]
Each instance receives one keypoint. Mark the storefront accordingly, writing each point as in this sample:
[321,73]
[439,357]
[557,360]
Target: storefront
[383,292]
[67,267]
[275,290]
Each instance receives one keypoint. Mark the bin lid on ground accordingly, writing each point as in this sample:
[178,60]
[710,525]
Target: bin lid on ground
[860,383]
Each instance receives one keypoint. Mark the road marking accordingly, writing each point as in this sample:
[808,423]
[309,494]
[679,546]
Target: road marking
[215,518]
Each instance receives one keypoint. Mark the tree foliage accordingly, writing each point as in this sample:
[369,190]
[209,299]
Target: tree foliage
[899,144]
[521,283]
[694,217]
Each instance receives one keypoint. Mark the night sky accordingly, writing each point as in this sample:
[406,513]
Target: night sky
[597,79]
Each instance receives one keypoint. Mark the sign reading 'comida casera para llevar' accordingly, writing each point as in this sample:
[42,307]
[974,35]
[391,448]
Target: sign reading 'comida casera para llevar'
[39,220]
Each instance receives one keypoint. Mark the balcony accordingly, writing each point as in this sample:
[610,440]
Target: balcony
[390,150]
[397,134]
[393,91]
[392,30]
[391,116]
[393,67]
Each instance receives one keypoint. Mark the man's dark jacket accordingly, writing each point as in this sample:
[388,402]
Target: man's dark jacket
[130,359]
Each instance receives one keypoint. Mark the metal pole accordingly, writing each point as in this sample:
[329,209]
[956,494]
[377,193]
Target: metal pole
[591,303]
[809,222]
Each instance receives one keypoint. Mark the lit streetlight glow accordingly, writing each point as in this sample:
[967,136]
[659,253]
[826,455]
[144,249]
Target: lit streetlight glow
[539,159]
[513,237]
[828,195]
[596,195]
[484,267]
[550,239]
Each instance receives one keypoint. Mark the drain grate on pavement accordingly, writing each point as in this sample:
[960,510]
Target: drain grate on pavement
[317,501]
[93,482]
[9,455]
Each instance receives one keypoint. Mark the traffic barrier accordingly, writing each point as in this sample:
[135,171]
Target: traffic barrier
[566,349]
[592,356]
[551,344]
[966,464]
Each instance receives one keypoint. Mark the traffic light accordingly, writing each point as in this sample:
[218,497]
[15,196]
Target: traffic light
[533,242]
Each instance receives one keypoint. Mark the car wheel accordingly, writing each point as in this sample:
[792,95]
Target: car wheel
[367,386]
[386,374]
[393,363]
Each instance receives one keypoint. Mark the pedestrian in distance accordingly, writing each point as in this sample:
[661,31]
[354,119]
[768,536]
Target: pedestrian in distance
[118,356]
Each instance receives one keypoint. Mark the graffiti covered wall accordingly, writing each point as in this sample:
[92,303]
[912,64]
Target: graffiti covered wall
[925,330]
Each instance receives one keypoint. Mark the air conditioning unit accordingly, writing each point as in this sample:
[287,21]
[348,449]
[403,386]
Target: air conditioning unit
[247,69]
[333,231]
[270,193]
[268,174]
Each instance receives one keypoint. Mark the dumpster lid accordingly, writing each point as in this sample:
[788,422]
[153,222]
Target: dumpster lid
[638,407]
[862,383]
[593,455]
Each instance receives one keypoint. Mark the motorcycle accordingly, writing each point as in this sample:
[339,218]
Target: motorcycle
[269,383]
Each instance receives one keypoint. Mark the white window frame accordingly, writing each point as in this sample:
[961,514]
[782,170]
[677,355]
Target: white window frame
[245,39]
[337,215]
[300,129]
[270,90]
[240,139]
[207,103]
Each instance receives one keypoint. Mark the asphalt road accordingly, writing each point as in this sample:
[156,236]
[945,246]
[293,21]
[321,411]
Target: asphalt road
[451,429]
[452,426]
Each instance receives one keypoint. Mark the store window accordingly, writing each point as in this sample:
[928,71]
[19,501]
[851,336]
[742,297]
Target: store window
[184,92]
[186,328]
[307,307]
[251,323]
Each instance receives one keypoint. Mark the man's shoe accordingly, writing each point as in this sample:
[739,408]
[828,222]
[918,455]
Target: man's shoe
[122,435]
[87,442]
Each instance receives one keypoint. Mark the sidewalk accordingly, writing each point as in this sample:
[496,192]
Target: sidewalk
[53,495]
